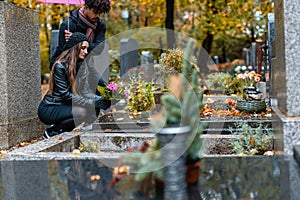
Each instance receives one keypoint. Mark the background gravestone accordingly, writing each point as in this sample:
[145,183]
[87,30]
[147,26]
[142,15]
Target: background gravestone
[253,55]
[147,63]
[20,71]
[53,41]
[128,55]
[246,56]
[271,33]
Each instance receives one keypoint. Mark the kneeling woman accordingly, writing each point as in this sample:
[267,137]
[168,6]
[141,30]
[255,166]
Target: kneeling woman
[69,102]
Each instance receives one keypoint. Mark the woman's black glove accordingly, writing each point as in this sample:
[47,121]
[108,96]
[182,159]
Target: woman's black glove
[102,103]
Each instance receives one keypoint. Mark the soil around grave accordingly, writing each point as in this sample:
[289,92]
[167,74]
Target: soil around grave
[221,147]
[122,116]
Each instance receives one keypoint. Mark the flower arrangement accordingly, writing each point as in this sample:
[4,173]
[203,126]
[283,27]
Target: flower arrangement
[139,94]
[112,91]
[172,61]
[106,91]
[243,81]
[133,88]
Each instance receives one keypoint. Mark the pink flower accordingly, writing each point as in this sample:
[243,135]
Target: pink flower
[126,94]
[112,87]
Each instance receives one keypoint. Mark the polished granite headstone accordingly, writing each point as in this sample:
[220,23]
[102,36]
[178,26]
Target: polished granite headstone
[286,91]
[220,178]
[25,180]
[286,61]
[20,74]
[285,74]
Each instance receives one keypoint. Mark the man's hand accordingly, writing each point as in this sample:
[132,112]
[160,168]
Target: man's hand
[67,35]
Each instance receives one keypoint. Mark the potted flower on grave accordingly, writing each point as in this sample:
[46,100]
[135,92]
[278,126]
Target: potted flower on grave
[181,112]
[244,85]
[137,91]
[139,94]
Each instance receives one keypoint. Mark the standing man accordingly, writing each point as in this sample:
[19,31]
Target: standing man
[87,21]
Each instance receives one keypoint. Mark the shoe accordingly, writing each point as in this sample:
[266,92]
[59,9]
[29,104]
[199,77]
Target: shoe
[48,134]
[86,127]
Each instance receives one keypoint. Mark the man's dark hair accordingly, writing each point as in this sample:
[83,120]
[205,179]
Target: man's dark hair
[99,6]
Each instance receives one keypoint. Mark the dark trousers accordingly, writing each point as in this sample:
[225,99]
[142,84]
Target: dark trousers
[64,118]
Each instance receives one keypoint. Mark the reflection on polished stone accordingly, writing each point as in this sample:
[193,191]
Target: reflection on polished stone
[220,178]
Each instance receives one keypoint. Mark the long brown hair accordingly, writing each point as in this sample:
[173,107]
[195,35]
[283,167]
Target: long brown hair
[69,57]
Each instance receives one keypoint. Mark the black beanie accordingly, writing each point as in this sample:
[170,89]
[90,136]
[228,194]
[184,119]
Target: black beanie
[75,38]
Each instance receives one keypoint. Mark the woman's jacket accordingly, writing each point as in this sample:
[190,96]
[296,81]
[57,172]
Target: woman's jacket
[62,93]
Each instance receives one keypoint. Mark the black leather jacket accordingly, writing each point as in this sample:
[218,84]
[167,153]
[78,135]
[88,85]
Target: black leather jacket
[76,25]
[62,94]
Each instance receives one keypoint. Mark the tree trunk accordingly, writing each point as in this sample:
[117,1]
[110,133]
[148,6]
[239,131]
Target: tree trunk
[252,34]
[224,56]
[207,43]
[204,53]
[146,22]
[171,41]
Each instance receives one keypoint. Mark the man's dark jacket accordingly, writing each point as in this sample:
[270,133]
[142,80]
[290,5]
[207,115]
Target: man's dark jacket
[77,25]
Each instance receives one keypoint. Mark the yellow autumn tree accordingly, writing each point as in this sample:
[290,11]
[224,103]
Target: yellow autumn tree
[204,20]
